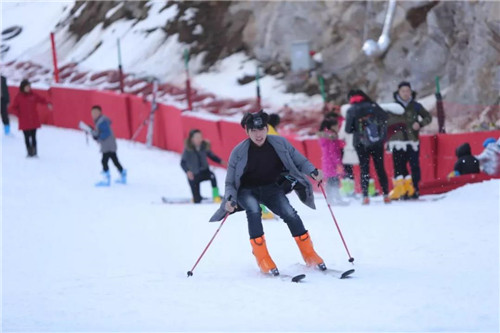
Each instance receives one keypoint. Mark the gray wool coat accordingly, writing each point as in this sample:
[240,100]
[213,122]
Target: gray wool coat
[297,165]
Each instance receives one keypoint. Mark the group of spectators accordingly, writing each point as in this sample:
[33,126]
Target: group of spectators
[361,132]
[364,129]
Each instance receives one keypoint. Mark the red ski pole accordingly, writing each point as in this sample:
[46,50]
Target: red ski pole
[190,273]
[351,259]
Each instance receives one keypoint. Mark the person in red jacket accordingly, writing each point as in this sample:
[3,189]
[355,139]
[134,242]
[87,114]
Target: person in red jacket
[25,107]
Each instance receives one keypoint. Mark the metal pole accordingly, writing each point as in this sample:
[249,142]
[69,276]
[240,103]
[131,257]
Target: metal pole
[54,57]
[322,88]
[257,76]
[188,81]
[154,105]
[120,69]
[439,107]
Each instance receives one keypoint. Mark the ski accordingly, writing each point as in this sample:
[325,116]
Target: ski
[341,274]
[286,277]
[166,200]
[338,273]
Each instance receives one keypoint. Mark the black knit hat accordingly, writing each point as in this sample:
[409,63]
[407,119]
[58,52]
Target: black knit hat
[404,84]
[257,120]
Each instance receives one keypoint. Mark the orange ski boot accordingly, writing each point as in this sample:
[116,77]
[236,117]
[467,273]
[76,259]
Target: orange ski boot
[259,250]
[306,248]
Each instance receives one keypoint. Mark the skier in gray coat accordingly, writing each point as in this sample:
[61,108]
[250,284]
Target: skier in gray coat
[194,162]
[262,170]
[106,138]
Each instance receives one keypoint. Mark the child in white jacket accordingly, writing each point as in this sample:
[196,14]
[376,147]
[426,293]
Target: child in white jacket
[489,159]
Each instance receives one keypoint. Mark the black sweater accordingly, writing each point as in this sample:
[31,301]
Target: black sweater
[263,166]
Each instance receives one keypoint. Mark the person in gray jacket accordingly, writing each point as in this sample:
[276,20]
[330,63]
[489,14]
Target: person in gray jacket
[195,164]
[106,138]
[262,170]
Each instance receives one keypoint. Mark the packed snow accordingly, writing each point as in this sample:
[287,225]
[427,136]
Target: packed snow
[81,258]
[97,51]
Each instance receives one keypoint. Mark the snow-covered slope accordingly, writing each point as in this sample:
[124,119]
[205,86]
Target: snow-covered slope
[81,258]
[146,51]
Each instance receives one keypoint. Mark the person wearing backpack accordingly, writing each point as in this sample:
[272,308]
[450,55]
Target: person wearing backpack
[404,142]
[368,124]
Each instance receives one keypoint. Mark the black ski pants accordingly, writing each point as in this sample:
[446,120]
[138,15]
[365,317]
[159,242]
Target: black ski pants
[198,178]
[30,141]
[348,173]
[401,158]
[377,154]
[5,115]
[274,198]
[114,158]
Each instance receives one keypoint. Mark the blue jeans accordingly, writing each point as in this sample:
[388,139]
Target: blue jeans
[275,199]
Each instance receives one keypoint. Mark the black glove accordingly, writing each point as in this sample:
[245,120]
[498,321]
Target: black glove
[315,173]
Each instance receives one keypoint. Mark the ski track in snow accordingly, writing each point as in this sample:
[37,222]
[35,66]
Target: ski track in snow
[81,258]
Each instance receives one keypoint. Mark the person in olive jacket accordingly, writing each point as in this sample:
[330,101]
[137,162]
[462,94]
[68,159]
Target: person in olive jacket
[403,141]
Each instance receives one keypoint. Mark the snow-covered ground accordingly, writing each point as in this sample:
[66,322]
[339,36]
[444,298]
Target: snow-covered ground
[97,51]
[80,258]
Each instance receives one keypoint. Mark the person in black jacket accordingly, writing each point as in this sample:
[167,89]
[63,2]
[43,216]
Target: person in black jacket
[466,162]
[4,103]
[368,124]
[195,165]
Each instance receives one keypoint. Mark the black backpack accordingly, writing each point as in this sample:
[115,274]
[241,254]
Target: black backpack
[372,129]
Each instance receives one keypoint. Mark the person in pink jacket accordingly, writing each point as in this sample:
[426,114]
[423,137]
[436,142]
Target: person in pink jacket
[24,107]
[331,160]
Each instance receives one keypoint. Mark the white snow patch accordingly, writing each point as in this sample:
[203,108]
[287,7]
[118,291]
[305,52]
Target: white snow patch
[113,10]
[80,258]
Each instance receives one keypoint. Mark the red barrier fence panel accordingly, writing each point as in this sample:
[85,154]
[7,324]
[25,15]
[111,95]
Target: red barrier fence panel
[438,186]
[428,160]
[168,132]
[231,133]
[313,152]
[13,91]
[297,143]
[114,107]
[209,129]
[448,143]
[139,112]
[70,106]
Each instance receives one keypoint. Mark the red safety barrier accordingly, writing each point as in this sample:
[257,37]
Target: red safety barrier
[139,112]
[438,186]
[448,143]
[168,133]
[209,128]
[313,152]
[428,160]
[231,133]
[128,112]
[71,106]
[297,143]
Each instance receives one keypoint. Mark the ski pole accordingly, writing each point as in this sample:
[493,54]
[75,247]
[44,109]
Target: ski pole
[190,273]
[351,259]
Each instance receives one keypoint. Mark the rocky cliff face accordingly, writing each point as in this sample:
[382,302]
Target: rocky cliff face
[459,41]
